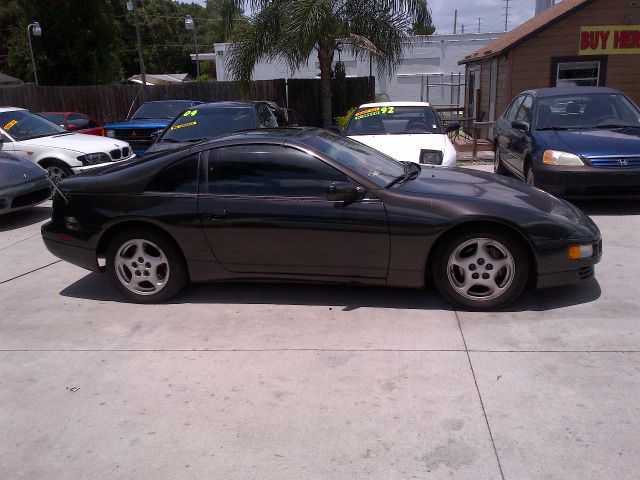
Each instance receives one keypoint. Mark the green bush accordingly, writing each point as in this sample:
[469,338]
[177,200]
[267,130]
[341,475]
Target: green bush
[343,120]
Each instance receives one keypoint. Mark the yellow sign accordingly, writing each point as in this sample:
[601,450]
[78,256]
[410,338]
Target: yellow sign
[609,40]
[9,125]
[190,124]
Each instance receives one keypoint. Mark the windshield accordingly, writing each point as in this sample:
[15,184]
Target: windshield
[161,109]
[586,111]
[390,120]
[24,125]
[360,158]
[57,118]
[194,124]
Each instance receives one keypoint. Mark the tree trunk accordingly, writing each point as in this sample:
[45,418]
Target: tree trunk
[325,58]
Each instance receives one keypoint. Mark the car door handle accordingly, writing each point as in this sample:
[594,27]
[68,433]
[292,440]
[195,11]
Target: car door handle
[212,217]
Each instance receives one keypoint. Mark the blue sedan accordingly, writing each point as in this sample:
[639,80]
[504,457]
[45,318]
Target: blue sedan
[572,141]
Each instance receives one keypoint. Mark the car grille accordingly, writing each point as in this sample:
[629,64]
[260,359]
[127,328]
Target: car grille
[115,154]
[126,151]
[135,136]
[615,162]
[31,198]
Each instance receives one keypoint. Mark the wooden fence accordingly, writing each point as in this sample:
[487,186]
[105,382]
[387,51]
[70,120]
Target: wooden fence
[111,103]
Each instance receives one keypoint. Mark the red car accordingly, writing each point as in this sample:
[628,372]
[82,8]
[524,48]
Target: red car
[74,122]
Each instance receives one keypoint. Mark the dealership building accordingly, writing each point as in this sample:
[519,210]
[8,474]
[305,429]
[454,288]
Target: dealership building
[575,42]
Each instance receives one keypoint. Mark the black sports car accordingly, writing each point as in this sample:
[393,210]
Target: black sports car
[304,204]
[23,184]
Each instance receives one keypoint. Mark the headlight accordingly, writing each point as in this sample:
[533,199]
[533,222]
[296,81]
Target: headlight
[94,158]
[578,252]
[110,133]
[554,157]
[431,157]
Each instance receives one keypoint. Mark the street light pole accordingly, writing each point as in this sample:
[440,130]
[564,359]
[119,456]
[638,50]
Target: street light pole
[35,30]
[190,24]
[131,6]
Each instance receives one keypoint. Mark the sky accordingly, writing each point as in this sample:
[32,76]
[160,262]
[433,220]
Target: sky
[491,13]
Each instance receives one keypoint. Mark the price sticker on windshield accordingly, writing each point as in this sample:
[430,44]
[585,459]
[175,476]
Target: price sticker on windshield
[370,112]
[190,113]
[10,125]
[189,124]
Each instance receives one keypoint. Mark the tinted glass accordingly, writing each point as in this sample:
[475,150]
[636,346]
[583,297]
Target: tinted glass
[23,125]
[169,109]
[391,120]
[269,170]
[368,162]
[57,118]
[179,177]
[195,125]
[524,113]
[265,117]
[77,120]
[586,111]
[512,111]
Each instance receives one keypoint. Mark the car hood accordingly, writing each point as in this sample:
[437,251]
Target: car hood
[155,123]
[404,147]
[77,142]
[498,192]
[596,142]
[14,171]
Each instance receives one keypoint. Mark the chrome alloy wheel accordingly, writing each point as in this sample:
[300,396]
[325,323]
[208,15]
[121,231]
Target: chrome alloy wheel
[481,269]
[56,173]
[142,267]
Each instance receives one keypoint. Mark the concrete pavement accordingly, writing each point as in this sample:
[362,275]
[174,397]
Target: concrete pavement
[294,381]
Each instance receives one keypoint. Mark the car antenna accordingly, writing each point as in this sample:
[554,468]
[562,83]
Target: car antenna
[55,187]
[133,102]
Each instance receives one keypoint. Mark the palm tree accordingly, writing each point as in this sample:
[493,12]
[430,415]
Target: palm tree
[293,29]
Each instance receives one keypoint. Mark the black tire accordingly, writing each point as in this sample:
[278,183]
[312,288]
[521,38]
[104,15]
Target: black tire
[498,166]
[57,170]
[170,271]
[510,280]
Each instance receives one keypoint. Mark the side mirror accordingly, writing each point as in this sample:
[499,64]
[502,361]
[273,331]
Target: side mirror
[344,192]
[335,129]
[71,127]
[520,125]
[156,135]
[452,127]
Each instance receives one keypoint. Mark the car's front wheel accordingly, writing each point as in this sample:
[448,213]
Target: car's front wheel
[480,269]
[145,267]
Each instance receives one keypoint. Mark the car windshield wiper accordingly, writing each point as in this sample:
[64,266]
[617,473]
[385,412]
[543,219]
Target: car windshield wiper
[412,170]
[555,128]
[194,140]
[170,140]
[615,125]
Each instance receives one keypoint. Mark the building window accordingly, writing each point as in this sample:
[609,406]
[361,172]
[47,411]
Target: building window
[577,74]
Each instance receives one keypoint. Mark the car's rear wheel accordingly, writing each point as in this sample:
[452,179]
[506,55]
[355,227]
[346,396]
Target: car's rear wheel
[480,269]
[145,266]
[498,166]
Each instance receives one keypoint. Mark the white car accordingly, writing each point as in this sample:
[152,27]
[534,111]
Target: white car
[59,152]
[410,131]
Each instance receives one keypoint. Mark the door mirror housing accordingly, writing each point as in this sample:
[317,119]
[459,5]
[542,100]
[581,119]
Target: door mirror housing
[71,127]
[156,135]
[520,125]
[344,192]
[452,127]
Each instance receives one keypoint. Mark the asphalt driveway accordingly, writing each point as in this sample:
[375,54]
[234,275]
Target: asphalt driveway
[244,381]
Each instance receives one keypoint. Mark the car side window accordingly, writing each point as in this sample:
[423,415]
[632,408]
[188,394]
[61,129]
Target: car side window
[79,121]
[511,113]
[269,170]
[179,177]
[265,117]
[524,112]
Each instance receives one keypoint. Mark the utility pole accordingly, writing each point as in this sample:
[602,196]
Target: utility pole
[132,7]
[462,29]
[455,21]
[190,24]
[479,20]
[506,16]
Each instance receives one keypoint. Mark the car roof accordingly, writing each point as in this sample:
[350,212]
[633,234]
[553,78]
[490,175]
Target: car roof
[174,100]
[229,104]
[280,134]
[65,113]
[553,91]
[395,104]
[12,109]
